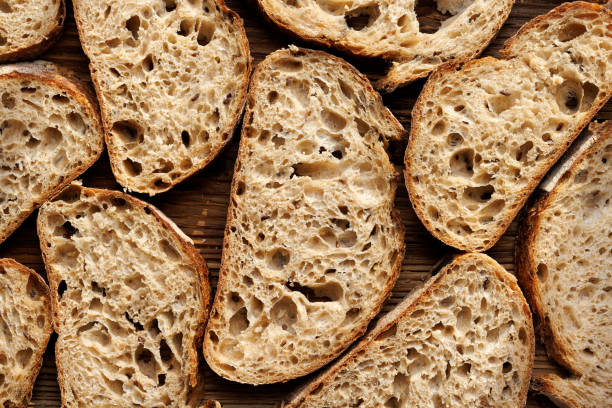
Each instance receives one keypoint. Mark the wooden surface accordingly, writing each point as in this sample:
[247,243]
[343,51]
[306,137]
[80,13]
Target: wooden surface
[199,204]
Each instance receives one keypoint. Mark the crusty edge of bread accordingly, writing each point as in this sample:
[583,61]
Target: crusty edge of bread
[405,308]
[358,332]
[64,80]
[186,246]
[37,357]
[524,249]
[36,49]
[547,385]
[231,129]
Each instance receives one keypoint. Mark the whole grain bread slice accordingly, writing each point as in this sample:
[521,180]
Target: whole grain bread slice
[28,28]
[25,328]
[390,29]
[563,258]
[484,136]
[130,297]
[312,245]
[50,133]
[171,77]
[463,340]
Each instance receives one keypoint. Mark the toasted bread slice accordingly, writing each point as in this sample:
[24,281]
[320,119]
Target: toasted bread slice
[312,246]
[564,260]
[484,136]
[464,340]
[50,133]
[130,298]
[171,78]
[28,28]
[25,328]
[390,29]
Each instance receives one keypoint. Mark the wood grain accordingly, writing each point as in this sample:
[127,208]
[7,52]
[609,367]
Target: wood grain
[199,204]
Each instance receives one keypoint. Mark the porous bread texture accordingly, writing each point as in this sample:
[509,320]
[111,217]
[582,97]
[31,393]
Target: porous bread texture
[390,29]
[50,132]
[130,298]
[464,340]
[483,137]
[564,260]
[29,27]
[25,328]
[312,246]
[171,77]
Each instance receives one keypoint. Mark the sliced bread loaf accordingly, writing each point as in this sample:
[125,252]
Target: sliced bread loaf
[130,297]
[25,328]
[312,246]
[564,260]
[483,137]
[171,78]
[390,29]
[464,340]
[28,28]
[50,133]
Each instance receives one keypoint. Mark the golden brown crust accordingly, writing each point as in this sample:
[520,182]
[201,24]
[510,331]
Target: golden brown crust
[545,385]
[64,80]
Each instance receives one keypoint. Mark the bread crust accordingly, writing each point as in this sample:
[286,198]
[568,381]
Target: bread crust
[64,80]
[37,356]
[196,260]
[36,49]
[405,308]
[105,115]
[418,116]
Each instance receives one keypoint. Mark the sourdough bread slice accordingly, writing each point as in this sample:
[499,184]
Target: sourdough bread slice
[312,245]
[50,132]
[564,262]
[130,297]
[171,77]
[464,340]
[390,29]
[28,28]
[483,136]
[25,328]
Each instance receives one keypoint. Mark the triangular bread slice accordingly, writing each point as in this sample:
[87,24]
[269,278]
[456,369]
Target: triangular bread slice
[564,260]
[390,29]
[50,133]
[312,245]
[171,77]
[28,28]
[130,297]
[484,136]
[25,328]
[463,340]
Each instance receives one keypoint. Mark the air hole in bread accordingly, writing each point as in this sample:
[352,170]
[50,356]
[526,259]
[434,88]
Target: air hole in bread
[32,287]
[362,17]
[133,25]
[284,313]
[332,120]
[464,369]
[206,30]
[161,184]
[147,63]
[288,65]
[5,7]
[569,96]
[328,292]
[8,101]
[24,357]
[346,89]
[523,150]
[507,367]
[571,31]
[464,318]
[500,103]
[493,208]
[61,99]
[131,167]
[240,187]
[168,249]
[362,127]
[239,322]
[272,96]
[51,138]
[170,5]
[146,362]
[454,140]
[278,259]
[165,353]
[68,254]
[390,332]
[76,122]
[67,230]
[590,92]
[316,171]
[185,138]
[542,272]
[462,163]
[136,324]
[439,127]
[128,131]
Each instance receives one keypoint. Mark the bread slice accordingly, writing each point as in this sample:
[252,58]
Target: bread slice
[390,29]
[50,133]
[312,246]
[25,328]
[564,260]
[483,136]
[28,28]
[130,297]
[464,340]
[171,78]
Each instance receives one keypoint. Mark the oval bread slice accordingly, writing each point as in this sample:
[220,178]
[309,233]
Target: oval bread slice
[312,246]
[464,340]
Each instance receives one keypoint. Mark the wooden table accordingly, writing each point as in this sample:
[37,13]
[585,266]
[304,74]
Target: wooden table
[199,204]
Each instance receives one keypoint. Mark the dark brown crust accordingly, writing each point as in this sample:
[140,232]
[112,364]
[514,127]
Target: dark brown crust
[523,195]
[37,356]
[358,332]
[404,309]
[545,385]
[526,262]
[196,260]
[34,50]
[64,80]
[112,150]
